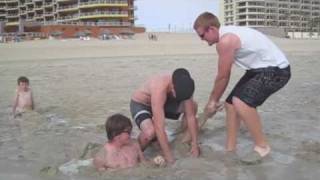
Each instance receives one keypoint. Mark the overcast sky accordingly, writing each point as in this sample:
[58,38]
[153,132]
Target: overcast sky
[159,15]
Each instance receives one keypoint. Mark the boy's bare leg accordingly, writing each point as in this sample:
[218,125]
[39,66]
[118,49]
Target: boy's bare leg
[147,133]
[233,124]
[252,120]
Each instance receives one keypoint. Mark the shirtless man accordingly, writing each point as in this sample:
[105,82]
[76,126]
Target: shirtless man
[23,99]
[120,151]
[165,96]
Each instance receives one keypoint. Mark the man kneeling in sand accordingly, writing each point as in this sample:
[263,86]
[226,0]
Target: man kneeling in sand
[120,151]
[165,96]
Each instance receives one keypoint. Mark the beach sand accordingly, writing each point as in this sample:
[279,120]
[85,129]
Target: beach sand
[77,84]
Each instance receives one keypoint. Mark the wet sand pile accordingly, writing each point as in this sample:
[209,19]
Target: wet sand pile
[77,84]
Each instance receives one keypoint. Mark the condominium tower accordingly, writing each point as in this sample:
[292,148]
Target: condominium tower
[106,13]
[292,15]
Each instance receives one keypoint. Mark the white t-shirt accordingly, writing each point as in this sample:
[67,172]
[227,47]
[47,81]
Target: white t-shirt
[257,50]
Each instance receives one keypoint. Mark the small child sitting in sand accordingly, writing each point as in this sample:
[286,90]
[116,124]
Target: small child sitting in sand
[121,151]
[23,99]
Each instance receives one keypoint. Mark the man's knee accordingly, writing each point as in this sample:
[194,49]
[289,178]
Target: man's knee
[149,133]
[238,103]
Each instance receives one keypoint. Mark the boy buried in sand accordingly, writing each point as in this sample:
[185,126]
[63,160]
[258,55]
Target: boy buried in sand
[120,151]
[23,99]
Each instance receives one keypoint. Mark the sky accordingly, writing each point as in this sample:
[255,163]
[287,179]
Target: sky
[171,15]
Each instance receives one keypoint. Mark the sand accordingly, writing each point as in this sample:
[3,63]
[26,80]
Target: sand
[77,84]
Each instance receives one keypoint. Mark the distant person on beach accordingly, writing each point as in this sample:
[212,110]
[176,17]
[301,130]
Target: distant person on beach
[23,99]
[165,96]
[121,151]
[267,71]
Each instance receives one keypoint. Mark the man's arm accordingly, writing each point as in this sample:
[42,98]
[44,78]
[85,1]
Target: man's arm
[158,98]
[226,48]
[190,114]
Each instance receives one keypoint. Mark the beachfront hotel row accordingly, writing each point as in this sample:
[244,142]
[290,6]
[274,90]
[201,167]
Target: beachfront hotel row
[291,15]
[68,17]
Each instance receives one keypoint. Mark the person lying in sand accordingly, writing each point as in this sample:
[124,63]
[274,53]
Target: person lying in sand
[23,99]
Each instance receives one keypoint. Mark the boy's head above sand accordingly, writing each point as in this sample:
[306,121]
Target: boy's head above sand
[118,128]
[23,83]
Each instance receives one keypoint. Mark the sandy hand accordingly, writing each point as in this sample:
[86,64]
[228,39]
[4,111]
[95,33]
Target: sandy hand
[159,161]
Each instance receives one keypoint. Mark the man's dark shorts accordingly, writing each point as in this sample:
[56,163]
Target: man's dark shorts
[141,112]
[258,84]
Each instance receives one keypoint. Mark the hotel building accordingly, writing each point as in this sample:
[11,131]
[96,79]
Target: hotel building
[63,15]
[291,15]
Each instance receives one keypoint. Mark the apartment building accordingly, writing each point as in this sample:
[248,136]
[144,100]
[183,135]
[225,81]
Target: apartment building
[291,15]
[29,14]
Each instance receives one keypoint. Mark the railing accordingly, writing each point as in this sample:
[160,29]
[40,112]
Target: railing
[12,15]
[48,13]
[29,18]
[11,1]
[12,7]
[38,7]
[48,4]
[89,23]
[68,7]
[104,2]
[104,13]
[38,15]
[75,17]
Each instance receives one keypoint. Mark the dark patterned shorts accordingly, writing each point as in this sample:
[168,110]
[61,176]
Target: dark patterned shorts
[258,84]
[141,112]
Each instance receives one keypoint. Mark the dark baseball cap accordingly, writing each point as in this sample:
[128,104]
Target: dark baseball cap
[183,84]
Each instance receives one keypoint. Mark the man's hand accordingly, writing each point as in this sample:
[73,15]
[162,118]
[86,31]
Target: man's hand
[212,107]
[169,159]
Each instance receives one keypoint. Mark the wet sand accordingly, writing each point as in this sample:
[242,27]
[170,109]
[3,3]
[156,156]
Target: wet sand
[77,84]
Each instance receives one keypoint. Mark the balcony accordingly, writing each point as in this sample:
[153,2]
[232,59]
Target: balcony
[38,16]
[11,8]
[68,8]
[103,3]
[11,1]
[15,15]
[68,18]
[49,14]
[29,2]
[30,18]
[48,4]
[3,14]
[12,23]
[101,14]
[66,0]
[23,12]
[111,23]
